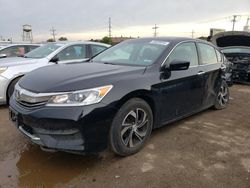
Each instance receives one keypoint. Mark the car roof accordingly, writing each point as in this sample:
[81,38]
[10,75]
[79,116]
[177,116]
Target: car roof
[79,42]
[169,39]
[173,40]
[17,44]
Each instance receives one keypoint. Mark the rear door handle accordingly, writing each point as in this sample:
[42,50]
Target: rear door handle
[200,73]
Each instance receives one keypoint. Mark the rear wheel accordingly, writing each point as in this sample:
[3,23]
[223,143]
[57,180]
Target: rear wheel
[222,97]
[131,127]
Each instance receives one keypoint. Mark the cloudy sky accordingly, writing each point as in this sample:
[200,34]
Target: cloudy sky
[81,19]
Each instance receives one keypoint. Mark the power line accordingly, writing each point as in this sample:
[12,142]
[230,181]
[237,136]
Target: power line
[53,33]
[155,30]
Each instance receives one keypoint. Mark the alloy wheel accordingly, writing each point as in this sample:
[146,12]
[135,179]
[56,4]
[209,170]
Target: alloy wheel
[223,95]
[134,127]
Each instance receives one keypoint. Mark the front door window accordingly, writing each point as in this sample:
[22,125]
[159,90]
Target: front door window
[74,52]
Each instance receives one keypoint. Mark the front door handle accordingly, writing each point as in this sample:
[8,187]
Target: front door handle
[200,73]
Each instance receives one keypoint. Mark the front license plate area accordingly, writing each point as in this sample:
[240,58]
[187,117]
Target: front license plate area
[14,117]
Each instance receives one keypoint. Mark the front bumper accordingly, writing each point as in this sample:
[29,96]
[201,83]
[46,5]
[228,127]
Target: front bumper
[241,76]
[241,72]
[3,87]
[72,129]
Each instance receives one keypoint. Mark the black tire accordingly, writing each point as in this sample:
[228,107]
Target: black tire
[11,89]
[222,98]
[128,134]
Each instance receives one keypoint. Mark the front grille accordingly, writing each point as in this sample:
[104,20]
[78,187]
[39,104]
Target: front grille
[29,99]
[241,66]
[30,105]
[28,129]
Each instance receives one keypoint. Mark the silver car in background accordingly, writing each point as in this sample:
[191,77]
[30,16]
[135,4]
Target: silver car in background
[16,50]
[12,69]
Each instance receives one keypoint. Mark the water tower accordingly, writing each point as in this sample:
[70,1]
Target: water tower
[27,33]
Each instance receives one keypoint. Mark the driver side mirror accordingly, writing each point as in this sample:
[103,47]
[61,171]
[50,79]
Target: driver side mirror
[55,59]
[175,65]
[179,65]
[3,55]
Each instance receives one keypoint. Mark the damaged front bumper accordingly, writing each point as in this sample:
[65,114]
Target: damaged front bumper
[82,130]
[49,133]
[241,72]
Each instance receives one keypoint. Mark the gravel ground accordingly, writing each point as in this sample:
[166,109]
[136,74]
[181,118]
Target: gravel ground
[210,149]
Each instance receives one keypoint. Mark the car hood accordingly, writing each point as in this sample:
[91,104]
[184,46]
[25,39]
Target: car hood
[79,76]
[231,38]
[13,61]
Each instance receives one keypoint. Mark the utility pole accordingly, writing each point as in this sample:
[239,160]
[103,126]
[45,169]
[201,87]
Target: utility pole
[247,27]
[110,27]
[234,20]
[192,33]
[53,33]
[155,30]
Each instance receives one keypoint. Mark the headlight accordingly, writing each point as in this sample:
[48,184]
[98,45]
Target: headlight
[3,69]
[80,98]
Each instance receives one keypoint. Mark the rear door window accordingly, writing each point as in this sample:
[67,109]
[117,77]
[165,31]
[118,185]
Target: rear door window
[14,51]
[219,56]
[185,52]
[207,54]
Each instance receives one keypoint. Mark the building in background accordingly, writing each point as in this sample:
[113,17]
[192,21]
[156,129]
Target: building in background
[214,31]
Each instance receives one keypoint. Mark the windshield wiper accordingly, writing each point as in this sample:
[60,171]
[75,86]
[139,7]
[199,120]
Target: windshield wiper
[25,56]
[108,63]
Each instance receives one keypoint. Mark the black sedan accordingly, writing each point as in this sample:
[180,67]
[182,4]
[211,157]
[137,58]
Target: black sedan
[118,97]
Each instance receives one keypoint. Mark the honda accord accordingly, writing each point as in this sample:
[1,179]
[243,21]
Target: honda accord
[120,96]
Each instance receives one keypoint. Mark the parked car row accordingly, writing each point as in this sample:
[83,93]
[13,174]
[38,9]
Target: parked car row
[117,97]
[12,69]
[16,50]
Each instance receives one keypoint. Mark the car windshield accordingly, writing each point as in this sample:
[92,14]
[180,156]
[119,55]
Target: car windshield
[43,51]
[134,53]
[236,50]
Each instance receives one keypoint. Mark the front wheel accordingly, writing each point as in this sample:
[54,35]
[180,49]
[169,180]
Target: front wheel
[11,89]
[131,127]
[222,98]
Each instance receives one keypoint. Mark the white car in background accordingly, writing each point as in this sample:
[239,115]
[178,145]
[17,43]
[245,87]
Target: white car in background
[12,69]
[15,50]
